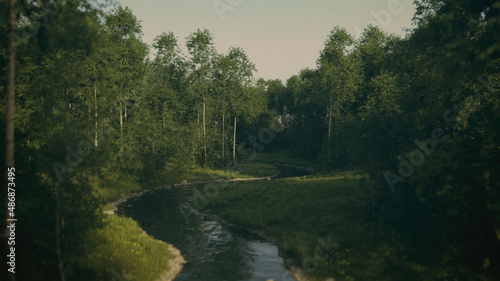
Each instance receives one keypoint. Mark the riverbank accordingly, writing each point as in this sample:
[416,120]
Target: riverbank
[174,265]
[324,225]
[122,250]
[172,259]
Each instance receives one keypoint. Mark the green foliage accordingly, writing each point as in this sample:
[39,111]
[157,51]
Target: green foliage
[369,101]
[71,154]
[295,212]
[241,170]
[255,170]
[96,120]
[121,248]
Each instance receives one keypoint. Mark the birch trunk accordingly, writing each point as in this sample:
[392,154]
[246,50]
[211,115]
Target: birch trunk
[234,142]
[204,132]
[222,156]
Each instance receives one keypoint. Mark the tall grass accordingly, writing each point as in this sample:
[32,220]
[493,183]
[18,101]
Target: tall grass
[299,212]
[122,248]
[241,170]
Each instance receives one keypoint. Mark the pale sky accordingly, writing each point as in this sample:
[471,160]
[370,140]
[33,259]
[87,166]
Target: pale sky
[280,36]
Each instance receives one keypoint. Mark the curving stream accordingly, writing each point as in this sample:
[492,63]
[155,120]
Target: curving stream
[213,250]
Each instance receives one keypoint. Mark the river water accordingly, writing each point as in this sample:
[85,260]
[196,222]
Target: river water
[213,250]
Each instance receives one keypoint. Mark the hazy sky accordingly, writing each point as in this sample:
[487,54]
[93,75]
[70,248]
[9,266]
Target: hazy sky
[280,36]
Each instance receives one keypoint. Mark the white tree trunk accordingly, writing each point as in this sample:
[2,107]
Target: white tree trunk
[222,156]
[95,110]
[204,132]
[234,142]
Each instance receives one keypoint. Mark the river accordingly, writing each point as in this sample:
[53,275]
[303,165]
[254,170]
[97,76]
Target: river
[214,251]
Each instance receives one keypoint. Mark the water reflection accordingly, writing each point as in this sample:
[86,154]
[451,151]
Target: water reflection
[213,251]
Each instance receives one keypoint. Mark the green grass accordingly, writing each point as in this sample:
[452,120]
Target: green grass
[249,170]
[297,211]
[121,247]
[109,191]
[241,170]
[282,156]
[112,187]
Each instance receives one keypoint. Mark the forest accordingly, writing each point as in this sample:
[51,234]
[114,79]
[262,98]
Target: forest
[96,117]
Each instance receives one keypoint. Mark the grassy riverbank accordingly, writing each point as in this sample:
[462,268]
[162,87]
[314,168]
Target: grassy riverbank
[120,249]
[241,170]
[303,214]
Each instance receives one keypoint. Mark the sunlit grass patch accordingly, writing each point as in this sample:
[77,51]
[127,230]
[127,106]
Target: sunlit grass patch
[122,247]
[240,170]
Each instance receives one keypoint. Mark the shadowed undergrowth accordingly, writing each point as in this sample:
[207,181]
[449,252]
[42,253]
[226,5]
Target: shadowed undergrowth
[333,208]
